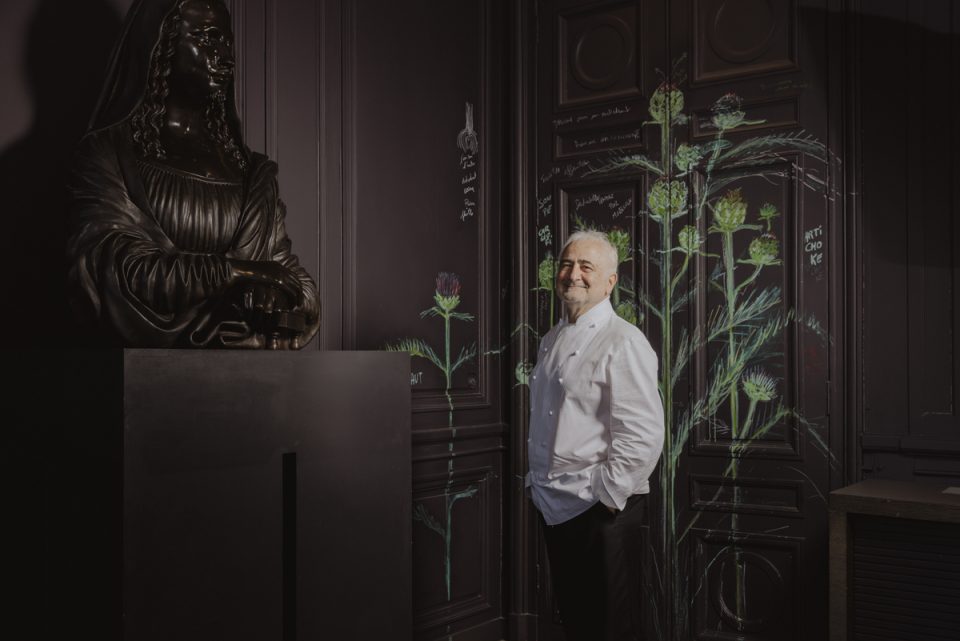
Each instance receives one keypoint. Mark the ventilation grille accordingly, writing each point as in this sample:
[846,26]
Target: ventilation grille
[905,580]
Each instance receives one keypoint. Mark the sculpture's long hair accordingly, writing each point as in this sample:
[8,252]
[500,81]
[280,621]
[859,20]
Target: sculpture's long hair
[148,118]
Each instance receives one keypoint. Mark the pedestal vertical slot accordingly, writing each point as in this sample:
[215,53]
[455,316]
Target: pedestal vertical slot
[289,546]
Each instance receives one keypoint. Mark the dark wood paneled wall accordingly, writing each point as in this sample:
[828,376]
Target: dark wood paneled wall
[389,182]
[737,540]
[278,91]
[909,232]
[423,189]
[361,102]
[387,121]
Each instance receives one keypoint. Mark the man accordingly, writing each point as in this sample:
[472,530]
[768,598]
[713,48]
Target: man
[596,432]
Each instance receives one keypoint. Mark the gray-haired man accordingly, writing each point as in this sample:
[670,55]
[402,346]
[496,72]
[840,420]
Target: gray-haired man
[596,432]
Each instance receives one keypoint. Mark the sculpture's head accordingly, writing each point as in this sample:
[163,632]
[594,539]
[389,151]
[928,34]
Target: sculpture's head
[173,52]
[197,49]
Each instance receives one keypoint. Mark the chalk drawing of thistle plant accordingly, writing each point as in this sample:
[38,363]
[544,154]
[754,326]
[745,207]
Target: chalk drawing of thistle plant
[446,299]
[689,188]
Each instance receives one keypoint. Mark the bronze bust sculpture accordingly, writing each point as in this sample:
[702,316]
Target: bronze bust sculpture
[177,235]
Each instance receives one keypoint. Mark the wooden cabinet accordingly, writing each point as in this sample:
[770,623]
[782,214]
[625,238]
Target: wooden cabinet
[895,561]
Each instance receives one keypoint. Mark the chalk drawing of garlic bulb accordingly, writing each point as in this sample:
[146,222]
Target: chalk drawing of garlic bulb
[467,138]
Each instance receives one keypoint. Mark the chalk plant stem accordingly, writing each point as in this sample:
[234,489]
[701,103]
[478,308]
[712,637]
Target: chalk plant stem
[447,372]
[680,274]
[446,299]
[729,268]
[731,295]
[747,424]
[448,532]
[667,283]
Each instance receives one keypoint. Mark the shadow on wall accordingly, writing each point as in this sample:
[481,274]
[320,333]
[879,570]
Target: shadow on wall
[67,50]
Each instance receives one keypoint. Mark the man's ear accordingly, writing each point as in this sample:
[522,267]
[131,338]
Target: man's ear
[611,282]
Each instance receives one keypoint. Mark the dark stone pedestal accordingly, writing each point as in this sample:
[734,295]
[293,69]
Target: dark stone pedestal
[234,495]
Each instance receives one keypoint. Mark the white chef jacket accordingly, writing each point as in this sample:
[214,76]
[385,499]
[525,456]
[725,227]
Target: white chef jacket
[596,417]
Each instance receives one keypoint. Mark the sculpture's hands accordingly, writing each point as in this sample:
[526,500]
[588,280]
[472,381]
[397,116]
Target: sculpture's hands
[290,329]
[260,276]
[276,323]
[270,296]
[259,302]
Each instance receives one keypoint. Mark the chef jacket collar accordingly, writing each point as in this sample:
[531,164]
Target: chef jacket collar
[596,315]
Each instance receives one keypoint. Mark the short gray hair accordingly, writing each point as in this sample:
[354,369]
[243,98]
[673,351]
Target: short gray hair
[610,252]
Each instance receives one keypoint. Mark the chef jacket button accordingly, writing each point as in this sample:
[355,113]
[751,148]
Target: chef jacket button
[550,412]
[560,379]
[534,377]
[576,352]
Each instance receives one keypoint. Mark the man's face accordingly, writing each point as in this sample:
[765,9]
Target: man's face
[203,62]
[584,277]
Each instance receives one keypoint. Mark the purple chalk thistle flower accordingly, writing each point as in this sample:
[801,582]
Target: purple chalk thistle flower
[447,295]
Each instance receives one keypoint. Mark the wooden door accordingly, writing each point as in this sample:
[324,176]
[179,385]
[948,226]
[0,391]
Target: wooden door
[696,134]
[758,470]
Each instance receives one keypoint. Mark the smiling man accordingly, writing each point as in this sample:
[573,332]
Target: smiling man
[596,433]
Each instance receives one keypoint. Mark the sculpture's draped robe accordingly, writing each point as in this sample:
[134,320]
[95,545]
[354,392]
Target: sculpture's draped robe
[159,277]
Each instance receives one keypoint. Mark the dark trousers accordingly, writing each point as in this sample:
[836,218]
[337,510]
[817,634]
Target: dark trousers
[595,563]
